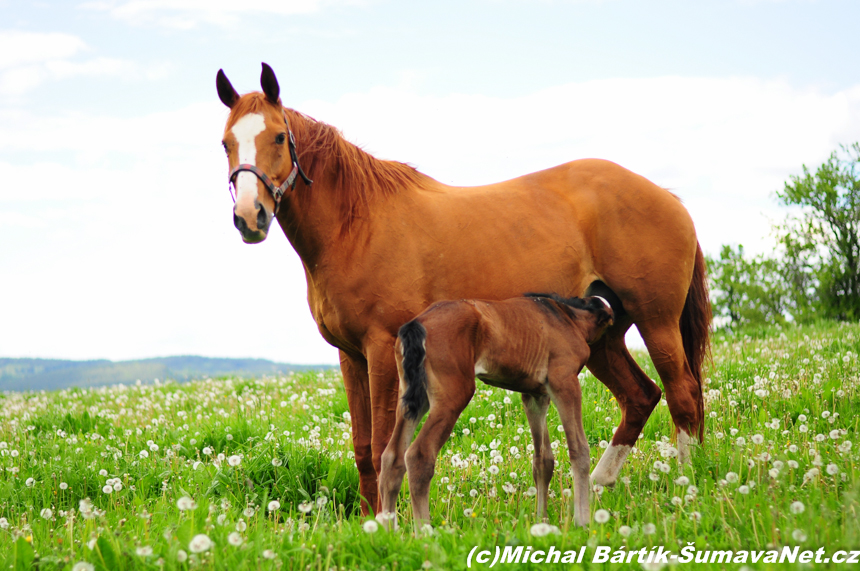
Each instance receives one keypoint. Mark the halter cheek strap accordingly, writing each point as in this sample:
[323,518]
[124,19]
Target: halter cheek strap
[290,182]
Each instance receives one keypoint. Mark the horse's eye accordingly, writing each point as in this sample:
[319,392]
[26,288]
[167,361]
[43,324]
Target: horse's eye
[281,138]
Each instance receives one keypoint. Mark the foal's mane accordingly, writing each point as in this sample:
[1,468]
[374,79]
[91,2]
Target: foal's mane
[574,302]
[360,178]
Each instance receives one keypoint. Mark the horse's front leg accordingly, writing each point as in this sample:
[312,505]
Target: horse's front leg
[355,381]
[544,462]
[382,372]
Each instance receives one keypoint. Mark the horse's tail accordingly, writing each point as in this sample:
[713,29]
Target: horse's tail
[412,337]
[696,329]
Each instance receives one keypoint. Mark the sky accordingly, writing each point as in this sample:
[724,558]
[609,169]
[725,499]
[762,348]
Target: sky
[116,234]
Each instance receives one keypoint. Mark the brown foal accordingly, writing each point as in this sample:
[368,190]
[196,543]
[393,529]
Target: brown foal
[535,345]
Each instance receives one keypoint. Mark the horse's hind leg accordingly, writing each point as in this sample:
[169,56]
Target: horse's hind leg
[544,463]
[449,395]
[683,393]
[635,392]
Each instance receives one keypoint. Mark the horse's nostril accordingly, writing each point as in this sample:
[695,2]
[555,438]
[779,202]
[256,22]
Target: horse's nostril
[239,223]
[262,219]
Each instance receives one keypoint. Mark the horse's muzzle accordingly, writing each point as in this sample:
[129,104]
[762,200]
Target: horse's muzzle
[249,235]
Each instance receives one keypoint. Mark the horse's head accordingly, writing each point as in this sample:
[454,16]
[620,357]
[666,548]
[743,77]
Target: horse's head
[260,153]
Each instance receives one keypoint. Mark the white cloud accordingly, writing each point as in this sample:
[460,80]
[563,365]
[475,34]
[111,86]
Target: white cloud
[30,59]
[184,14]
[21,48]
[126,248]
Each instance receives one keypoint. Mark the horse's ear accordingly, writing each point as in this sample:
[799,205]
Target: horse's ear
[226,93]
[269,83]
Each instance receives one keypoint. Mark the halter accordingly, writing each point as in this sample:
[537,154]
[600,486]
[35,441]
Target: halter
[277,191]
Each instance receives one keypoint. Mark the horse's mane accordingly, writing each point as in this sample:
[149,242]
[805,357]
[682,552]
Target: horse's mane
[360,178]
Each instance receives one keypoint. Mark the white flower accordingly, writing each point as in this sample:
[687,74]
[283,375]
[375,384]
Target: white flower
[682,480]
[531,491]
[798,535]
[744,490]
[757,438]
[4,523]
[207,451]
[83,566]
[277,462]
[269,554]
[625,530]
[47,513]
[601,516]
[649,529]
[64,486]
[143,551]
[370,526]
[274,505]
[181,556]
[322,501]
[30,482]
[234,539]
[185,503]
[832,469]
[543,529]
[797,507]
[200,543]
[306,507]
[234,460]
[107,489]
[676,501]
[695,516]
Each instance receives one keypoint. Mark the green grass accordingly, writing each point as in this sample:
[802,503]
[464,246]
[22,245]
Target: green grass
[797,388]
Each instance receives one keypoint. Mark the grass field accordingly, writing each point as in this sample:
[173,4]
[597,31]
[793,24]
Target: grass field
[259,474]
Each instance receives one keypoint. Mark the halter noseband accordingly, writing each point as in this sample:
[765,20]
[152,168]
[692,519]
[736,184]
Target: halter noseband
[290,182]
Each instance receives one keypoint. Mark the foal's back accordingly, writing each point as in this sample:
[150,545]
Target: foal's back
[508,344]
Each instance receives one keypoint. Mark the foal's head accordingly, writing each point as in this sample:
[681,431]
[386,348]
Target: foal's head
[256,134]
[594,310]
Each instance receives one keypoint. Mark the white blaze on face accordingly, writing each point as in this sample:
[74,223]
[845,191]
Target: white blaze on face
[246,130]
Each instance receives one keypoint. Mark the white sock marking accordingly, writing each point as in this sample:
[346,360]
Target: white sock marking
[607,469]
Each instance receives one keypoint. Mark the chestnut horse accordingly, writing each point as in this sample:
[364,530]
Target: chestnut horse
[535,345]
[380,241]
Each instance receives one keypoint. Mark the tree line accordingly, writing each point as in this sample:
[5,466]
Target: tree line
[814,270]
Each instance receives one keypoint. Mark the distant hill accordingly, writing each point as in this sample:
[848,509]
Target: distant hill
[51,374]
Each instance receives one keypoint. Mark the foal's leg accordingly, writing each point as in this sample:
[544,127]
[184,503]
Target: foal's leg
[635,392]
[566,394]
[394,466]
[449,395]
[382,374]
[544,463]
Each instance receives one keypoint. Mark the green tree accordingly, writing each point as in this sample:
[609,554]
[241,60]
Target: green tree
[747,290]
[821,262]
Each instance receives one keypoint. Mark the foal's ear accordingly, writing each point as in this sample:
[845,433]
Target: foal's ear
[269,83]
[226,93]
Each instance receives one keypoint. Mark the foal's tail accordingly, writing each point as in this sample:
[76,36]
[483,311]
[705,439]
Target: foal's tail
[696,329]
[412,337]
